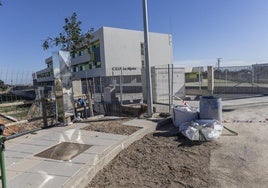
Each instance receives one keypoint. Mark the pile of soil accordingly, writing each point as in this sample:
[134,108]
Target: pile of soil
[3,121]
[161,159]
[114,127]
[23,127]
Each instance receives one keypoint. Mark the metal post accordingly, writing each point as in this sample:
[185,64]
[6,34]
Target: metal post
[147,61]
[101,89]
[172,79]
[89,98]
[252,75]
[44,111]
[2,156]
[199,77]
[169,92]
[211,80]
[226,80]
[94,88]
[121,87]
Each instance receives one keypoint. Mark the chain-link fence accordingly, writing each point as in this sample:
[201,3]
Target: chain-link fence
[196,78]
[241,80]
[229,81]
[15,85]
[15,88]
[128,85]
[120,86]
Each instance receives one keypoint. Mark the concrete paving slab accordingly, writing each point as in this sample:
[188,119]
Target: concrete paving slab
[98,149]
[12,160]
[85,158]
[16,154]
[74,136]
[38,142]
[36,180]
[26,170]
[57,168]
[79,132]
[22,164]
[27,148]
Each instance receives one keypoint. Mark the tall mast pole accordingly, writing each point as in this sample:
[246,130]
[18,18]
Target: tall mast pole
[147,61]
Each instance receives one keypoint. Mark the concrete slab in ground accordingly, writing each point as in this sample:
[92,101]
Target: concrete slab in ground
[241,161]
[24,169]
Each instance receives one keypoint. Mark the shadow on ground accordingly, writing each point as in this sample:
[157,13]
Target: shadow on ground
[169,130]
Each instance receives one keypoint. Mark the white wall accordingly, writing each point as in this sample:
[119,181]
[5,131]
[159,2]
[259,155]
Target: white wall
[122,48]
[160,83]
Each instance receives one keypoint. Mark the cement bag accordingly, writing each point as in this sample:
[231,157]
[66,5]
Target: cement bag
[211,129]
[202,130]
[183,114]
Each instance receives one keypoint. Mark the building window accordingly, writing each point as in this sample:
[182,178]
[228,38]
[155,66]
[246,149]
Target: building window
[49,64]
[142,63]
[73,55]
[97,64]
[142,49]
[83,67]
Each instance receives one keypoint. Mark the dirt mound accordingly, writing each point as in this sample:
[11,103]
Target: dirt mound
[161,159]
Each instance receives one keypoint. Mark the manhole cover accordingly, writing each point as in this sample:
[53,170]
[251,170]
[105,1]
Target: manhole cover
[64,151]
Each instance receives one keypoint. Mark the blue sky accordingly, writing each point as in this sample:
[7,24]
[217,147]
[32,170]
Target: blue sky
[202,30]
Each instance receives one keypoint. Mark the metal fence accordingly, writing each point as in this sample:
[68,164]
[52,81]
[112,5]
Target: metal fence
[196,81]
[242,79]
[232,80]
[15,85]
[16,77]
[128,84]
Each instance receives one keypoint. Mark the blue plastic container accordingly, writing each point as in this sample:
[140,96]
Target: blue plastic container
[210,107]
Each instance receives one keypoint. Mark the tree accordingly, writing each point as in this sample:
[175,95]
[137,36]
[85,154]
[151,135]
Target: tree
[73,40]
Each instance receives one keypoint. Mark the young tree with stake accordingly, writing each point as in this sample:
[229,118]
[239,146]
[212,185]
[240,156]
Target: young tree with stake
[72,39]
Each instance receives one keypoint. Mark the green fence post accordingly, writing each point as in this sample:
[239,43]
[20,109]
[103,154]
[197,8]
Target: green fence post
[2,157]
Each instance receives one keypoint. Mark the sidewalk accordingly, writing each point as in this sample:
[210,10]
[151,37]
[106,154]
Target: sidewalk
[25,170]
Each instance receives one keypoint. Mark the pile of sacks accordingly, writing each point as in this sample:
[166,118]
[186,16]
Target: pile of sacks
[191,126]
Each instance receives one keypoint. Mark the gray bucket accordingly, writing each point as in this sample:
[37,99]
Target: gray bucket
[210,108]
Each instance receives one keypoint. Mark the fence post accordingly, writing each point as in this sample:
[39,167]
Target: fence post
[121,87]
[210,80]
[199,78]
[172,79]
[169,92]
[252,74]
[101,90]
[94,89]
[89,98]
[2,156]
[44,111]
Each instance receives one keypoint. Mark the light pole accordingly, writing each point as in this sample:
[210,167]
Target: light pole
[147,61]
[218,62]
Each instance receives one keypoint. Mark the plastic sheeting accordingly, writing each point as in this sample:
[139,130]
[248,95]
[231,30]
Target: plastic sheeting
[202,130]
[183,114]
[193,128]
